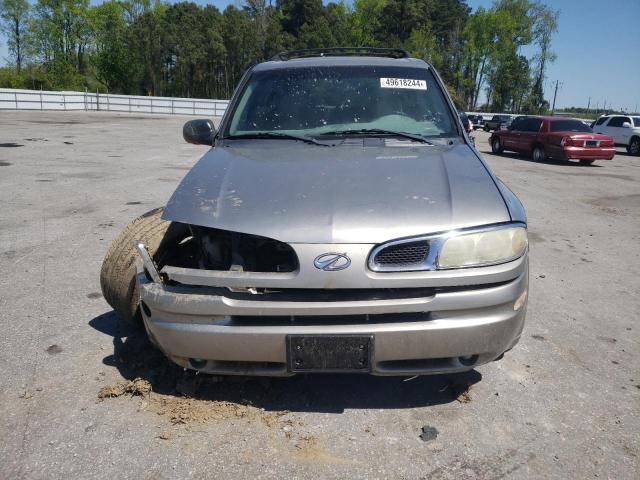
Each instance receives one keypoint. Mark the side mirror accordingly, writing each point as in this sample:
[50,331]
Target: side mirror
[199,132]
[626,125]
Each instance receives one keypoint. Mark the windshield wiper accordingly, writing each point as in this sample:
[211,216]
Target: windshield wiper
[378,131]
[288,136]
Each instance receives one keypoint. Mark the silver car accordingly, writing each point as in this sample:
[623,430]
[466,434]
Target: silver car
[342,221]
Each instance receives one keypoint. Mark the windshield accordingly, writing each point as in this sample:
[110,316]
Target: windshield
[569,126]
[322,100]
[636,121]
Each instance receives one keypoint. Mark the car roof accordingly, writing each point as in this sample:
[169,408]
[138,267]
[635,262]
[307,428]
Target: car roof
[332,61]
[550,117]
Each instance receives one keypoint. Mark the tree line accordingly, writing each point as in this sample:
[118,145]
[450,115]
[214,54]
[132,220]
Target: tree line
[183,49]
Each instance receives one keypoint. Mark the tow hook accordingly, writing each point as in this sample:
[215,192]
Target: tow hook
[148,262]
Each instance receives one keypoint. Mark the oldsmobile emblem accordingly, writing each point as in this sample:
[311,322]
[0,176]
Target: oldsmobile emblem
[330,262]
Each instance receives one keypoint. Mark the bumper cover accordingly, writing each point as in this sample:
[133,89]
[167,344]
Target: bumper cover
[586,153]
[425,335]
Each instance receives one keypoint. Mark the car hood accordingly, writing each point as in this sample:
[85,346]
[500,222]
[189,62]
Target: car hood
[369,192]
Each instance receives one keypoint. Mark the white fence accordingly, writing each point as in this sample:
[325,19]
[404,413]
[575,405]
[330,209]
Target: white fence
[12,99]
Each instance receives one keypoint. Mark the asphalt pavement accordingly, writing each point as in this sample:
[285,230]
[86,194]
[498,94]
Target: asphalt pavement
[565,403]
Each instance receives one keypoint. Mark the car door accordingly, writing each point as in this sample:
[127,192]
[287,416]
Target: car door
[614,128]
[600,125]
[509,137]
[529,129]
[625,131]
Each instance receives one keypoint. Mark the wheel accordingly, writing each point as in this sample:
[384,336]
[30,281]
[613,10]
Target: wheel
[586,162]
[118,273]
[634,146]
[485,128]
[538,154]
[496,146]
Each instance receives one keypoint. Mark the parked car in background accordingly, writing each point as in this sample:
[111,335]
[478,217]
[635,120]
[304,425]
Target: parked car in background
[553,137]
[477,121]
[466,122]
[497,122]
[625,130]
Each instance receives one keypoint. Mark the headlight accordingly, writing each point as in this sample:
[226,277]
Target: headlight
[493,246]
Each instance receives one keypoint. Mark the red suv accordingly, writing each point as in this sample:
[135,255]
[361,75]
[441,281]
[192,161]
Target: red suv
[553,137]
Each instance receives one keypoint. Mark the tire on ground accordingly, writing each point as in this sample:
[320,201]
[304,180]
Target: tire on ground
[538,154]
[118,273]
[496,146]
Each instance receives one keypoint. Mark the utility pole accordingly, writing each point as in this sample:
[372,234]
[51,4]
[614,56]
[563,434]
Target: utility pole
[555,94]
[588,104]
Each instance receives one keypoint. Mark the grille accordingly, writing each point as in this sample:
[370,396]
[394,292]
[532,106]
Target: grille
[304,320]
[328,295]
[410,253]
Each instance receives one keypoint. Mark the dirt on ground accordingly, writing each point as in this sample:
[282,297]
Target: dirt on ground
[182,396]
[137,387]
[192,410]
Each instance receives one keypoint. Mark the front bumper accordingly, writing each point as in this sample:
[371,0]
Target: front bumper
[453,329]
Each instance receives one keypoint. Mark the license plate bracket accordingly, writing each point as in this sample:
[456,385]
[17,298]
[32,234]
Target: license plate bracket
[329,353]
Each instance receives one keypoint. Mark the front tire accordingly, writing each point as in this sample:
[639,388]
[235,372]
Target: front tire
[496,146]
[634,146]
[538,154]
[118,273]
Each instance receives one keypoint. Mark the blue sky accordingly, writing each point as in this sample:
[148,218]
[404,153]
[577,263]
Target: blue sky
[597,45]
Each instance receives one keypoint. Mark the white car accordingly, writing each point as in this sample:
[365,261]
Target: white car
[625,130]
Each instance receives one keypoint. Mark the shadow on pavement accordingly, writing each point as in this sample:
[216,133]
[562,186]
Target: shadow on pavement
[135,357]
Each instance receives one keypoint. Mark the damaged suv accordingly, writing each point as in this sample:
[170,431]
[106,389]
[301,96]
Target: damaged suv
[342,221]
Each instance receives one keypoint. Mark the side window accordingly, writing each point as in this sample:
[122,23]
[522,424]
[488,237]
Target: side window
[601,120]
[517,123]
[616,122]
[536,123]
[530,125]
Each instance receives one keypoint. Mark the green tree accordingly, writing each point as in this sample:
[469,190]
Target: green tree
[112,58]
[365,21]
[398,18]
[479,48]
[14,15]
[447,19]
[544,26]
[270,37]
[146,44]
[155,48]
[238,31]
[60,31]
[295,13]
[423,44]
[509,70]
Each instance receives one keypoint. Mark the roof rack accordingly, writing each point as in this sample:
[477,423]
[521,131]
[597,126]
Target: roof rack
[342,52]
